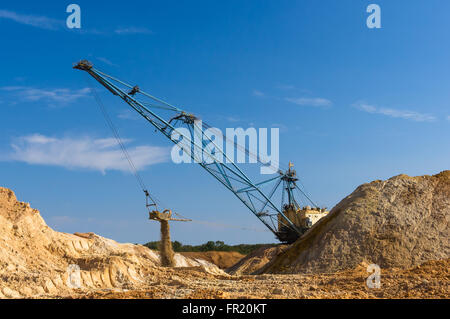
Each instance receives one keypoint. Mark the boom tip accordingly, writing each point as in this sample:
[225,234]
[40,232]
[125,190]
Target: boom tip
[84,65]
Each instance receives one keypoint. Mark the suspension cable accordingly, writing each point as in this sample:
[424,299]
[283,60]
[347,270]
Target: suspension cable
[115,132]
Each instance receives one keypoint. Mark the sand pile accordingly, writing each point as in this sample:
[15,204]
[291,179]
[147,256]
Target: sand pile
[256,260]
[38,261]
[222,259]
[401,222]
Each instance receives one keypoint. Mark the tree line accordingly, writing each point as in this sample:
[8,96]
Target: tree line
[243,249]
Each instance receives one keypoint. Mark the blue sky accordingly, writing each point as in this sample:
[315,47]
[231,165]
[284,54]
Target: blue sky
[353,104]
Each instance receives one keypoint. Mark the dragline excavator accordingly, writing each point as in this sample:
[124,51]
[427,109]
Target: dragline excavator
[287,221]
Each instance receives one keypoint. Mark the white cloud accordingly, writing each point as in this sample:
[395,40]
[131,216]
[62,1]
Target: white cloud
[106,61]
[127,114]
[85,152]
[32,20]
[303,101]
[132,30]
[448,118]
[403,114]
[59,95]
[282,127]
[232,119]
[47,23]
[258,93]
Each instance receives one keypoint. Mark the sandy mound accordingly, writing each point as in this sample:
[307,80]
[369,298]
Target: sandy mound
[36,260]
[402,222]
[255,260]
[222,259]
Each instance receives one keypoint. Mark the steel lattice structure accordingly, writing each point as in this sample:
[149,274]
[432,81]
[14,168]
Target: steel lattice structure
[230,175]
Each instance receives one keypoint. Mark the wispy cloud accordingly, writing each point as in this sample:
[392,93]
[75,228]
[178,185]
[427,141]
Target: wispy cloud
[127,114]
[293,88]
[106,61]
[282,127]
[132,30]
[304,101]
[83,152]
[448,118]
[32,20]
[58,95]
[233,119]
[395,113]
[258,93]
[47,23]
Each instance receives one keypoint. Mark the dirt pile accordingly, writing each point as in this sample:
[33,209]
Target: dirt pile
[38,261]
[401,222]
[255,260]
[222,259]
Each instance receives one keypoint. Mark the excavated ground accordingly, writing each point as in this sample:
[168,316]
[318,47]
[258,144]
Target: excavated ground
[36,261]
[256,260]
[411,246]
[429,280]
[222,259]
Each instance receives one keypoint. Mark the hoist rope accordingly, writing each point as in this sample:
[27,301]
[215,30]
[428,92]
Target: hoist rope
[115,132]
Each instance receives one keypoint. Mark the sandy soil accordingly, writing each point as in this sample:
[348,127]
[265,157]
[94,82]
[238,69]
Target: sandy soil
[408,239]
[222,259]
[430,280]
[36,260]
[401,222]
[256,260]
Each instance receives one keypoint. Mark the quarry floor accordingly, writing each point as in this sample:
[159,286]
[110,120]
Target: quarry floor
[430,280]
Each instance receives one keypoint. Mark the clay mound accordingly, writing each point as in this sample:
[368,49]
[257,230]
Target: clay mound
[402,222]
[36,260]
[255,260]
[222,259]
